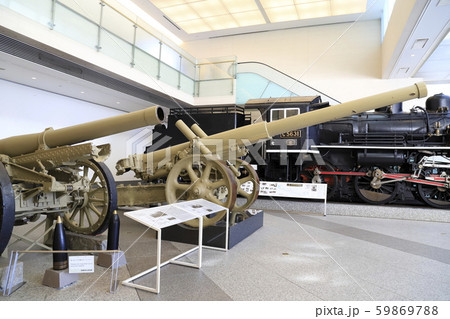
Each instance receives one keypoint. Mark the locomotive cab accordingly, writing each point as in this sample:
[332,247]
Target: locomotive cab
[284,154]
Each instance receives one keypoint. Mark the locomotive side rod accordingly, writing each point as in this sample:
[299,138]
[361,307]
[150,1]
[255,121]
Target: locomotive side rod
[395,178]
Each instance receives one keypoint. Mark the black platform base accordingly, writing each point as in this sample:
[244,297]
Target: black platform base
[214,236]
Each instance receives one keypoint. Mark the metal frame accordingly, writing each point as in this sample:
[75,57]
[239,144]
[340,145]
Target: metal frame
[15,256]
[128,282]
[147,218]
[34,242]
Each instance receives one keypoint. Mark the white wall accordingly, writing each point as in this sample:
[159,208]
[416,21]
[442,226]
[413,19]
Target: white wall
[22,25]
[25,110]
[342,60]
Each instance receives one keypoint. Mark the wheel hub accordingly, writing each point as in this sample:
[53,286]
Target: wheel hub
[376,181]
[371,188]
[80,198]
[198,192]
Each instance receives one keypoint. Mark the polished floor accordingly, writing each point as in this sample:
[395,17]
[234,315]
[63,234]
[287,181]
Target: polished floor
[298,255]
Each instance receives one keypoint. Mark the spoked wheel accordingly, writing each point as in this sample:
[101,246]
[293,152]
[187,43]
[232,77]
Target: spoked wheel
[7,208]
[95,202]
[208,178]
[309,175]
[438,197]
[247,186]
[371,187]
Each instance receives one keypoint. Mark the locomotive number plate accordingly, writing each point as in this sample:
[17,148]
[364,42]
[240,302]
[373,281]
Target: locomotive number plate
[291,134]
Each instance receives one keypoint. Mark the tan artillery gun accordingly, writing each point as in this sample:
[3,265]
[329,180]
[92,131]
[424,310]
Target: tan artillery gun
[210,167]
[44,173]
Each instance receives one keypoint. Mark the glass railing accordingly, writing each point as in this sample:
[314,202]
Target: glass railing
[254,86]
[256,80]
[217,76]
[98,25]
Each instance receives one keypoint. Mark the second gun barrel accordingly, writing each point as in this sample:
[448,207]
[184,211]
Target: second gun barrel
[24,144]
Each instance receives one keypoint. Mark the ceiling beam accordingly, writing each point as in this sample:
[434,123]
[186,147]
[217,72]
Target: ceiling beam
[415,29]
[263,12]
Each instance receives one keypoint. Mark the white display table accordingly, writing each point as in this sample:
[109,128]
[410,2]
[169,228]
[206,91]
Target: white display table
[158,218]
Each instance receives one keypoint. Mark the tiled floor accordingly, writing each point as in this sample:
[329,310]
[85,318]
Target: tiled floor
[294,256]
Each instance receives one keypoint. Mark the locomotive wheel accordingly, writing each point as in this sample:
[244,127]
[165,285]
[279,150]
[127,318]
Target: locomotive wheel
[7,208]
[92,207]
[438,197]
[370,191]
[209,179]
[250,191]
[308,176]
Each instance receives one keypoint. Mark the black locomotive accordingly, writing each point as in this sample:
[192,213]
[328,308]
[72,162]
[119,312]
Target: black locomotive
[377,157]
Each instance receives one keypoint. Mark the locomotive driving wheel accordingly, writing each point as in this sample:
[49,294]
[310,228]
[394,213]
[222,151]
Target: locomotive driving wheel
[371,187]
[205,178]
[311,174]
[438,197]
[7,208]
[247,186]
[94,204]
[435,196]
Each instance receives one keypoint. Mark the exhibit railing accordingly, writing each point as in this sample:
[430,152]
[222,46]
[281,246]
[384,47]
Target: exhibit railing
[217,76]
[98,25]
[256,80]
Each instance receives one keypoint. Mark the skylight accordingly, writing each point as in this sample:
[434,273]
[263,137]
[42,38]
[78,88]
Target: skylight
[195,16]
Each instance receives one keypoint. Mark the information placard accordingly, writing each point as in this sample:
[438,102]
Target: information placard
[81,264]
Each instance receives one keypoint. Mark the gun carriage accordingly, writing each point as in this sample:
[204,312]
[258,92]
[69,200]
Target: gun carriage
[44,173]
[212,167]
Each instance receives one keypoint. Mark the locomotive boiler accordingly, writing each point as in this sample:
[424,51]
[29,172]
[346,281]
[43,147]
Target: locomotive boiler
[378,157]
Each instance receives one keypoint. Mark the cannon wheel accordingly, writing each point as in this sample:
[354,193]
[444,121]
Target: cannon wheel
[91,211]
[7,208]
[250,191]
[210,179]
[378,196]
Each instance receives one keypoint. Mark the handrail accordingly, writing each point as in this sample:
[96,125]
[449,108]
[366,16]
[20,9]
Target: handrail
[176,49]
[291,77]
[126,41]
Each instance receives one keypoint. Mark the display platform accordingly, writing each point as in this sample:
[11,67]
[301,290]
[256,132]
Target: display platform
[215,236]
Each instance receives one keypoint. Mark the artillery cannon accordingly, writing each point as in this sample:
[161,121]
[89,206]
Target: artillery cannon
[44,173]
[210,167]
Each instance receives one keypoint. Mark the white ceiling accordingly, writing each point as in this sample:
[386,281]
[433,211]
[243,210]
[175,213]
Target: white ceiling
[423,48]
[374,11]
[27,73]
[195,16]
[433,65]
[436,68]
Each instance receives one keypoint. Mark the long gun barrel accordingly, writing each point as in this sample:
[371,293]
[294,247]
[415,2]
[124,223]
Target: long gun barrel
[264,130]
[209,166]
[253,133]
[23,144]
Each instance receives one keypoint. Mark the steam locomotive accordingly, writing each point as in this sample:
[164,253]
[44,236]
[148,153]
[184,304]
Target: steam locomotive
[376,157]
